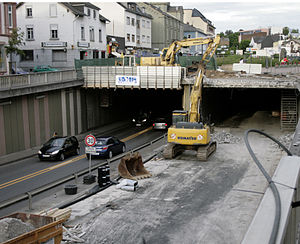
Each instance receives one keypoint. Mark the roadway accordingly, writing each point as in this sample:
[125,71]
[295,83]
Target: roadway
[28,174]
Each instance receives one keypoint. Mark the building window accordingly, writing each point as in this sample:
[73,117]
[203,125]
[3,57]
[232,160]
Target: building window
[148,24]
[53,10]
[143,9]
[95,54]
[27,56]
[94,12]
[132,21]
[143,23]
[148,39]
[53,32]
[88,12]
[133,38]
[92,36]
[138,39]
[138,23]
[82,33]
[10,17]
[143,38]
[28,11]
[100,35]
[128,37]
[59,56]
[127,20]
[29,33]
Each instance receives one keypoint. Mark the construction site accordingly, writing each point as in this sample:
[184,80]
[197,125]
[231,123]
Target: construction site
[209,178]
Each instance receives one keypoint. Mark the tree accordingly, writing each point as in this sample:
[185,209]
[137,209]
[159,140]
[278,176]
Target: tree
[244,44]
[233,40]
[222,34]
[14,42]
[285,31]
[295,31]
[228,32]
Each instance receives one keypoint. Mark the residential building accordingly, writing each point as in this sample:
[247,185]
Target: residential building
[130,26]
[196,18]
[292,47]
[8,21]
[193,32]
[165,27]
[58,33]
[175,11]
[248,34]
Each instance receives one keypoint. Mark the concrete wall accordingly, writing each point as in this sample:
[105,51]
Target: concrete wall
[28,121]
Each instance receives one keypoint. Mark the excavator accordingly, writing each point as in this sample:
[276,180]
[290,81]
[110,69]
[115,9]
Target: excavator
[188,132]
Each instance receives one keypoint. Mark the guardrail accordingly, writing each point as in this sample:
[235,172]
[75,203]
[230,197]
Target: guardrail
[29,195]
[31,79]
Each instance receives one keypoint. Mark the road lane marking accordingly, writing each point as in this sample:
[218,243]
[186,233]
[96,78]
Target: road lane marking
[34,174]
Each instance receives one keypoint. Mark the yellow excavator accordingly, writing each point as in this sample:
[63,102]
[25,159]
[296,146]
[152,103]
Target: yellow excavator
[188,131]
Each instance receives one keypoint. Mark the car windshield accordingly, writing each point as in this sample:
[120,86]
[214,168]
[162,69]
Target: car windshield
[55,142]
[100,142]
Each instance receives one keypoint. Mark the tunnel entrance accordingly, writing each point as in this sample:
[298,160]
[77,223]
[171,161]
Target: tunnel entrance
[220,104]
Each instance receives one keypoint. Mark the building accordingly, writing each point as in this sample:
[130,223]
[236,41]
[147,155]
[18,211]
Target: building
[165,27]
[196,18]
[58,33]
[248,34]
[130,26]
[8,21]
[193,32]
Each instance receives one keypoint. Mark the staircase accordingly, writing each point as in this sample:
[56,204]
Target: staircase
[289,115]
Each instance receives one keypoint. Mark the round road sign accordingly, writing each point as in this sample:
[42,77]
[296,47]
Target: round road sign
[90,140]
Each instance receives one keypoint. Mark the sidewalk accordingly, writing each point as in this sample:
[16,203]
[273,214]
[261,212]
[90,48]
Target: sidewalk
[16,156]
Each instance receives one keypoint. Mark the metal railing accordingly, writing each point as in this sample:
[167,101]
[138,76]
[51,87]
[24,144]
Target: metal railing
[29,195]
[33,79]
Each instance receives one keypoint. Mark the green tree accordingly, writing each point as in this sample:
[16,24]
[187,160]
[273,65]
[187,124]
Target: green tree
[233,40]
[295,31]
[244,44]
[228,32]
[285,31]
[14,42]
[222,34]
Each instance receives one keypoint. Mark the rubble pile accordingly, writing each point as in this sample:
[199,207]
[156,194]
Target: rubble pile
[12,227]
[286,139]
[225,137]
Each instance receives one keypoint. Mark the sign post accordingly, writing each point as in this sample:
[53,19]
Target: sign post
[90,141]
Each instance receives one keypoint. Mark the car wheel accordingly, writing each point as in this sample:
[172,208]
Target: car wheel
[123,149]
[77,151]
[110,154]
[62,157]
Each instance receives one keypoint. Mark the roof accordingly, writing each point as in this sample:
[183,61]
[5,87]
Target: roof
[269,40]
[162,12]
[77,8]
[258,39]
[191,28]
[197,13]
[136,10]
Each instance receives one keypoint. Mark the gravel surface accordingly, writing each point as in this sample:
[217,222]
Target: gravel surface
[225,137]
[12,227]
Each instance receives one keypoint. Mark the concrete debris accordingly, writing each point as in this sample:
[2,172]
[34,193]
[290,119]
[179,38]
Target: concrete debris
[225,137]
[73,235]
[286,139]
[12,227]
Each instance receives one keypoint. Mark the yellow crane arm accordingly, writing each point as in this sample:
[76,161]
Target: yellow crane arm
[196,94]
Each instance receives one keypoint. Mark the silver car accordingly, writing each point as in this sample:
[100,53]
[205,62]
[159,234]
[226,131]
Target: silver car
[160,124]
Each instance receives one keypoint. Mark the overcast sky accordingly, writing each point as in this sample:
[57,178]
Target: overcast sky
[247,15]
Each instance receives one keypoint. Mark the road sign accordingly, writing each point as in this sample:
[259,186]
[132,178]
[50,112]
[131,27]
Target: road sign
[90,140]
[91,150]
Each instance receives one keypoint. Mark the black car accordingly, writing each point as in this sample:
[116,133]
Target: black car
[57,148]
[108,146]
[141,119]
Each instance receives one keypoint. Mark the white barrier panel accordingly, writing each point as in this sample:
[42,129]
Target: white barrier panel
[248,68]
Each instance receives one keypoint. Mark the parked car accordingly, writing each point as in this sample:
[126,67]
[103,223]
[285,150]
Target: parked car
[108,146]
[19,71]
[57,148]
[160,124]
[44,68]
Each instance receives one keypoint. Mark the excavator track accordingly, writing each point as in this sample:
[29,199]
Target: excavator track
[172,150]
[204,152]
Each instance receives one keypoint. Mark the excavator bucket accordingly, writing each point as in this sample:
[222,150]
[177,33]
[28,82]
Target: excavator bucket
[132,167]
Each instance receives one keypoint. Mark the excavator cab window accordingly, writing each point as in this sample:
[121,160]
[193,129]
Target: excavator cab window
[179,116]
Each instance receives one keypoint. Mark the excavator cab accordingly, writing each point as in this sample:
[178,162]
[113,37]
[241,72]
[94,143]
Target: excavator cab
[179,116]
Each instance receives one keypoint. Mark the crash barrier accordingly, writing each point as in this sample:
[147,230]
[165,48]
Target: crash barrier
[104,175]
[286,178]
[28,196]
[32,79]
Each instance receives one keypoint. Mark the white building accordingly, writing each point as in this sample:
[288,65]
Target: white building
[129,25]
[58,33]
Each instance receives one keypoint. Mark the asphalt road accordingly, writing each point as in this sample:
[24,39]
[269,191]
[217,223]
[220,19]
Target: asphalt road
[28,174]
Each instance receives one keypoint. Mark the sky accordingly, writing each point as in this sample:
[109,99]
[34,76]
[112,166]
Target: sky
[235,15]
